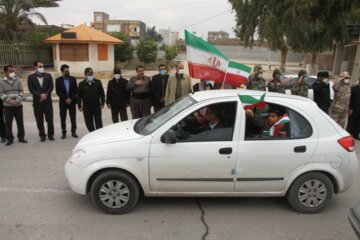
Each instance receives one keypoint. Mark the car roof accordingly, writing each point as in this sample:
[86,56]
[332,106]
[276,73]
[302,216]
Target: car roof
[205,95]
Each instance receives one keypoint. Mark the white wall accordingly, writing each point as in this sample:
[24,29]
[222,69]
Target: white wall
[77,68]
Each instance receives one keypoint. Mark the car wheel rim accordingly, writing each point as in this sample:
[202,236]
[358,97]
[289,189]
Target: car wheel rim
[114,194]
[312,193]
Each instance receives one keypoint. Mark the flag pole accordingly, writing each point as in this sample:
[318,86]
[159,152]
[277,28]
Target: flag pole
[223,83]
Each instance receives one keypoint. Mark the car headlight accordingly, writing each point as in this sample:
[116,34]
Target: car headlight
[76,155]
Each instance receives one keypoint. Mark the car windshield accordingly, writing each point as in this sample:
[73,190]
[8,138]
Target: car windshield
[149,124]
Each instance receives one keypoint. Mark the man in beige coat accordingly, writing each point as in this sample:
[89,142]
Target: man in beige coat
[178,85]
[340,105]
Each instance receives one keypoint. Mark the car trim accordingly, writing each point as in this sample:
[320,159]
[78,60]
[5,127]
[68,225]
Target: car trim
[258,179]
[197,179]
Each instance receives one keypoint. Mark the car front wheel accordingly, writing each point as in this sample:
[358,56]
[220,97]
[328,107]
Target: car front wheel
[115,192]
[310,193]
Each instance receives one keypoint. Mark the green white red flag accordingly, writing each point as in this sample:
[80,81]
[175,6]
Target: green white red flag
[237,74]
[205,61]
[252,102]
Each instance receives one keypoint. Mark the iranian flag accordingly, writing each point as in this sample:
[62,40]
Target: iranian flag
[205,61]
[252,102]
[237,74]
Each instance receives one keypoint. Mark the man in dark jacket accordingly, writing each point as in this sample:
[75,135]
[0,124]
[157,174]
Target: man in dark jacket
[91,100]
[66,89]
[158,87]
[2,123]
[41,85]
[353,126]
[321,90]
[117,97]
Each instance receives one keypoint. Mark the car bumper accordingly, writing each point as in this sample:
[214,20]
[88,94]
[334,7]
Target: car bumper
[75,176]
[348,173]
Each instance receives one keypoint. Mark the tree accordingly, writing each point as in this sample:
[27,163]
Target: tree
[125,52]
[147,51]
[314,26]
[170,52]
[262,19]
[151,34]
[20,12]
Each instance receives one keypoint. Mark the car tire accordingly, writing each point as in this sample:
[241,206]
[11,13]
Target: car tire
[310,193]
[115,192]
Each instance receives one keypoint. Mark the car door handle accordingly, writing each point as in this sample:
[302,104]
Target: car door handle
[300,149]
[225,150]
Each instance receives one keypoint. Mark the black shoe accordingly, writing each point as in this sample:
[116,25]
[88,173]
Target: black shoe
[42,139]
[63,136]
[51,138]
[3,140]
[74,135]
[23,140]
[9,142]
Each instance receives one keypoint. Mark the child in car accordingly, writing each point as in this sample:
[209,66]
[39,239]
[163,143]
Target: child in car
[277,123]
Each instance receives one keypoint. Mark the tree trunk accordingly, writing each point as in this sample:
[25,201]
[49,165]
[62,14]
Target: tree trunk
[313,69]
[284,51]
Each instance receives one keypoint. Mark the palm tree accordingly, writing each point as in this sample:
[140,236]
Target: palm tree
[14,13]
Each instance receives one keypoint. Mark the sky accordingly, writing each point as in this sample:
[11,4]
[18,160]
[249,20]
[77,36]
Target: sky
[176,14]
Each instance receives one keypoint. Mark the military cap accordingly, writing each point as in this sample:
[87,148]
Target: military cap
[88,71]
[258,68]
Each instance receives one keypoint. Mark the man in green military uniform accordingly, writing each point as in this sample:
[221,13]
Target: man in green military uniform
[256,81]
[299,87]
[276,85]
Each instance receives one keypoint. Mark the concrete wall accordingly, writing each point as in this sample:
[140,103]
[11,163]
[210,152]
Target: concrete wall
[77,68]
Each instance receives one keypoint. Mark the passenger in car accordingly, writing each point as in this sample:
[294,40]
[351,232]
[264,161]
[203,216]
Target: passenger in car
[254,124]
[277,123]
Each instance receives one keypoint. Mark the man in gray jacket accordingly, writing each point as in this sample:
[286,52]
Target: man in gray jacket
[12,94]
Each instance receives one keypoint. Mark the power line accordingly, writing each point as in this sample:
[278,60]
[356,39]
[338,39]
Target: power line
[204,20]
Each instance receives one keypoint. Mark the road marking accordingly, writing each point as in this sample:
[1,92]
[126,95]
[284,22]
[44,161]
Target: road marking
[34,190]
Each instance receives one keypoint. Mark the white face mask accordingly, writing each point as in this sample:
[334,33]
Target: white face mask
[117,76]
[90,78]
[181,71]
[12,75]
[346,81]
[326,80]
[260,75]
[41,70]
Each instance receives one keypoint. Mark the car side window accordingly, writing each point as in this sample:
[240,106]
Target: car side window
[214,122]
[275,122]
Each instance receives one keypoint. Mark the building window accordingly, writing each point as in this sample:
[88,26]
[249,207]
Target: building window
[135,29]
[74,52]
[113,28]
[102,52]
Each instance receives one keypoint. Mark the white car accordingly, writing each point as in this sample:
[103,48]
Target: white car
[162,154]
[309,80]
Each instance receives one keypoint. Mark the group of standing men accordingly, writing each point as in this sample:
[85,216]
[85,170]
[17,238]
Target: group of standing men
[346,102]
[140,93]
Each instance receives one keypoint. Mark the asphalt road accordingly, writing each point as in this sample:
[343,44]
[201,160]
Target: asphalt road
[36,203]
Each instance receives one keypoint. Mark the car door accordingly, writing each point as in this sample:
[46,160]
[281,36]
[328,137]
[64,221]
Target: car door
[201,165]
[264,164]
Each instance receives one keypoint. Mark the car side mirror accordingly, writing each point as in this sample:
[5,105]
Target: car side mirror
[169,137]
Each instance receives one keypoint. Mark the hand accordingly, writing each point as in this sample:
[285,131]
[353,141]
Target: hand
[14,103]
[250,113]
[101,106]
[108,106]
[68,101]
[350,112]
[43,97]
[80,109]
[162,99]
[301,79]
[140,82]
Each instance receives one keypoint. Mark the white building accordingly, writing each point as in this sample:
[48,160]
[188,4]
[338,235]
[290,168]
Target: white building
[169,37]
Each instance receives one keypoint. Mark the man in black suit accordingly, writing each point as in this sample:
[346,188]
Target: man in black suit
[91,100]
[117,97]
[353,126]
[2,123]
[41,85]
[158,87]
[66,89]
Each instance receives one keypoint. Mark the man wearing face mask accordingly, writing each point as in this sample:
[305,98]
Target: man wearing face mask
[256,80]
[139,86]
[91,100]
[299,87]
[66,89]
[41,85]
[353,126]
[321,90]
[178,85]
[12,94]
[117,97]
[340,105]
[158,87]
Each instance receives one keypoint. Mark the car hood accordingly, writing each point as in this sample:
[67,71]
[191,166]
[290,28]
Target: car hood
[122,131]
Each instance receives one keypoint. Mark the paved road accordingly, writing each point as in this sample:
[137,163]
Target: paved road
[36,203]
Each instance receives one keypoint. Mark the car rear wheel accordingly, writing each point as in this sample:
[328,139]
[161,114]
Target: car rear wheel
[310,193]
[115,192]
